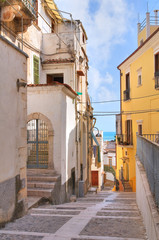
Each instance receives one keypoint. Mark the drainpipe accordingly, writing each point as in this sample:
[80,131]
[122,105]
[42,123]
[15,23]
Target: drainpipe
[147,25]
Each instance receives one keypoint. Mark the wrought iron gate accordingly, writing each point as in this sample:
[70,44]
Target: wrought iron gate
[37,140]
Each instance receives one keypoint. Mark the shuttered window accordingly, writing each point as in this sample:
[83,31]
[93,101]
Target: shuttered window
[36,69]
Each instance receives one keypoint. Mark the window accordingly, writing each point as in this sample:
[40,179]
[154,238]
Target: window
[157,64]
[127,84]
[51,78]
[36,69]
[157,71]
[128,131]
[139,78]
[140,129]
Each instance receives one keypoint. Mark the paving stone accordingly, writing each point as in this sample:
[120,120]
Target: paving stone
[90,200]
[123,207]
[39,224]
[122,214]
[55,212]
[126,228]
[122,201]
[62,208]
[19,237]
[106,215]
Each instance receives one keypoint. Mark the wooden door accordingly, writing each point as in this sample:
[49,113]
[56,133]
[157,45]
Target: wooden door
[94,178]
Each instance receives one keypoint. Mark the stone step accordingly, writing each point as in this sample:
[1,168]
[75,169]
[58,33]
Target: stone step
[43,172]
[42,178]
[37,184]
[40,192]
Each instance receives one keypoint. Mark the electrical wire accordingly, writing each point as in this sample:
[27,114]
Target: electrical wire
[126,113]
[122,100]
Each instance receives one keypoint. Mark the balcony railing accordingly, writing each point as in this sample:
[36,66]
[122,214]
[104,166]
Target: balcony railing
[152,137]
[31,5]
[125,139]
[126,94]
[154,21]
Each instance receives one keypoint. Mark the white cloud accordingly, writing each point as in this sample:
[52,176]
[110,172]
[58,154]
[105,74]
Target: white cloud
[104,28]
[96,79]
[99,85]
[104,94]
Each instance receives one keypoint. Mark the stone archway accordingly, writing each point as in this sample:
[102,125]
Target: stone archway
[50,133]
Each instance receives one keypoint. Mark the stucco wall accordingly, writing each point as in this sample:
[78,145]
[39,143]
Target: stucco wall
[59,108]
[13,66]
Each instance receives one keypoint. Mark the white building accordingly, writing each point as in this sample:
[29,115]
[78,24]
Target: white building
[109,159]
[58,102]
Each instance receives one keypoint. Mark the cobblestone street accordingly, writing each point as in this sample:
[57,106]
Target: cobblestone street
[105,215]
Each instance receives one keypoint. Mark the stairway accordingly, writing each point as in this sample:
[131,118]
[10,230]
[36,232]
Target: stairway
[43,183]
[127,186]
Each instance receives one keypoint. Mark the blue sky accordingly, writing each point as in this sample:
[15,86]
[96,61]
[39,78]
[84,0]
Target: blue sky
[111,26]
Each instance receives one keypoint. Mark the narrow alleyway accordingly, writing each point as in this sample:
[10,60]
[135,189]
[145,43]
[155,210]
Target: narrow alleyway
[105,215]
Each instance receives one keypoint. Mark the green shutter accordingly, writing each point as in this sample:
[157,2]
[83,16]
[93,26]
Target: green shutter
[36,69]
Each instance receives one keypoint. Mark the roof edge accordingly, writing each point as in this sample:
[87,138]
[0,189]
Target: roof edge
[118,67]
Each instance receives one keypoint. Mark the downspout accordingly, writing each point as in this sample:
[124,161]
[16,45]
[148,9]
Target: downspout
[121,102]
[77,160]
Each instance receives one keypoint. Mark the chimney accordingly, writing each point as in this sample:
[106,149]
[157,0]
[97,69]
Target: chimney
[156,17]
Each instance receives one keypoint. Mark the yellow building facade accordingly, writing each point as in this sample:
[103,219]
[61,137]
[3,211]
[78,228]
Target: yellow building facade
[139,89]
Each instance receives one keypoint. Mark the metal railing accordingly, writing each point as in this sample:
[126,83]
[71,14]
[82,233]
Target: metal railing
[157,82]
[126,94]
[31,5]
[142,24]
[148,154]
[154,21]
[125,139]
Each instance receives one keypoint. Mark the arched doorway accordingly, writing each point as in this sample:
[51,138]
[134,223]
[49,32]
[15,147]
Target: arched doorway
[37,141]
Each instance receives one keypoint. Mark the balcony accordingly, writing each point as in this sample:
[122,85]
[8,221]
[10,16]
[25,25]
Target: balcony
[125,139]
[20,8]
[126,95]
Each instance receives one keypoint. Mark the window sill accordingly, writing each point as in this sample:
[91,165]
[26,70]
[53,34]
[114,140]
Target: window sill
[127,100]
[139,85]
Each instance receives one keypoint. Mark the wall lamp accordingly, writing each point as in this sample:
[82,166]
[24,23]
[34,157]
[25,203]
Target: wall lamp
[98,134]
[20,84]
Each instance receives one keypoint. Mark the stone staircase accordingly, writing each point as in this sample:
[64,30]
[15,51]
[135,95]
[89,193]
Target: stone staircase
[43,183]
[127,186]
